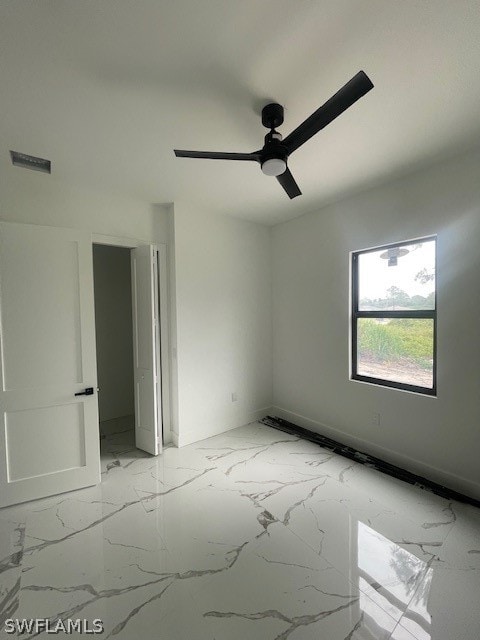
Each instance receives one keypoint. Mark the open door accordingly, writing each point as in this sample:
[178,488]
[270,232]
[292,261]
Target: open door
[146,349]
[49,441]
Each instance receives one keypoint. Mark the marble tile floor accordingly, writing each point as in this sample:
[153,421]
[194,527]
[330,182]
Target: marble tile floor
[250,535]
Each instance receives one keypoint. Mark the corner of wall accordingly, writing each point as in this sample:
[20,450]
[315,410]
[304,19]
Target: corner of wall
[193,435]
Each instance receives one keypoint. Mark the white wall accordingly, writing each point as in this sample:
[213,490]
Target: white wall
[113,329]
[437,437]
[31,197]
[223,322]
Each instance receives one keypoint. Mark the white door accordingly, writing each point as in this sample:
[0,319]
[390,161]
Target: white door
[146,342]
[49,440]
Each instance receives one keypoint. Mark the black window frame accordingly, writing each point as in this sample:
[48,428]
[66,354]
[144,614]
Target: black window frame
[417,314]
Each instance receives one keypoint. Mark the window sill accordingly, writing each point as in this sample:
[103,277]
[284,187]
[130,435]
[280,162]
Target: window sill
[429,393]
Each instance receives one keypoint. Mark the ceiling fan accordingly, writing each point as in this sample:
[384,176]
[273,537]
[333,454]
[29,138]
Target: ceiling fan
[275,152]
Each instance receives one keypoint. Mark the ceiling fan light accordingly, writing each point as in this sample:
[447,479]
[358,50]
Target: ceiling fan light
[274,167]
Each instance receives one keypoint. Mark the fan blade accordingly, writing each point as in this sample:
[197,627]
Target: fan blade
[288,183]
[355,88]
[213,155]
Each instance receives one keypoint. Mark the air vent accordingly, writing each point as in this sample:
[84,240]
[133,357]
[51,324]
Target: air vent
[31,162]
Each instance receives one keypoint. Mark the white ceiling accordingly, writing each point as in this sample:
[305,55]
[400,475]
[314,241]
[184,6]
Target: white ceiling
[107,88]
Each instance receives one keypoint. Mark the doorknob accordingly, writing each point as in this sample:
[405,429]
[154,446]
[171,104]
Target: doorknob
[88,392]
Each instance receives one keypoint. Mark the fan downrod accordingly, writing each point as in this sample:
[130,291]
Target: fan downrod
[272,115]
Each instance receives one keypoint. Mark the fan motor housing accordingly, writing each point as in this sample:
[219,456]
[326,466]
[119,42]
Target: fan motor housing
[273,147]
[272,115]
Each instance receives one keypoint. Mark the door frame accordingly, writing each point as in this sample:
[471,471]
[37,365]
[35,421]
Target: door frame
[164,417]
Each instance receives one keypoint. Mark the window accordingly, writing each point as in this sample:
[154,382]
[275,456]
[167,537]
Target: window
[394,316]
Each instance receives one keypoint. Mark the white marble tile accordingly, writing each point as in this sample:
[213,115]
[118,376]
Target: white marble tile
[446,605]
[204,527]
[279,588]
[461,549]
[382,552]
[279,488]
[12,535]
[400,633]
[233,454]
[155,477]
[422,506]
[447,602]
[105,570]
[250,534]
[187,457]
[156,620]
[310,458]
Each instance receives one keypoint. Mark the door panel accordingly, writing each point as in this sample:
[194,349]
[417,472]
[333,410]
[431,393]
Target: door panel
[145,348]
[49,441]
[47,429]
[40,300]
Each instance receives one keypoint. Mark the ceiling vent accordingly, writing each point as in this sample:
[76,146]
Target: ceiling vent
[31,162]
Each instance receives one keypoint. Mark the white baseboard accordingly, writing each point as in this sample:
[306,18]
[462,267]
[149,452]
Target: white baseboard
[450,480]
[195,435]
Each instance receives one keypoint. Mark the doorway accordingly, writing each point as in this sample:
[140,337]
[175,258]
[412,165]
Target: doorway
[128,339]
[114,340]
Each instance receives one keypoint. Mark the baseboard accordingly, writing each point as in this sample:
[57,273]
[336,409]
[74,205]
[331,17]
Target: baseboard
[196,435]
[117,425]
[444,478]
